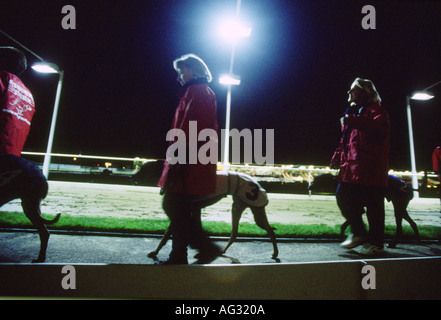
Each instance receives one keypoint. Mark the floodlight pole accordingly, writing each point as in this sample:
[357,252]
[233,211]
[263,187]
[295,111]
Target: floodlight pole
[430,87]
[228,102]
[412,150]
[411,139]
[47,157]
[227,130]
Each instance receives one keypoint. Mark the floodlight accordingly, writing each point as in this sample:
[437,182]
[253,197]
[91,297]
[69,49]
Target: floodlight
[422,95]
[44,67]
[229,79]
[234,29]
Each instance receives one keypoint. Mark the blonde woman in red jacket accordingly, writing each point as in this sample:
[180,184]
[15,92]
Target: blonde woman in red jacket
[182,181]
[363,160]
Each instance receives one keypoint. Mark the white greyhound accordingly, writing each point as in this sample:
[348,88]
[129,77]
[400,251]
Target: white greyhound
[246,192]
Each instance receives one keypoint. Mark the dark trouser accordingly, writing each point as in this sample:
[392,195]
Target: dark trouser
[351,199]
[185,229]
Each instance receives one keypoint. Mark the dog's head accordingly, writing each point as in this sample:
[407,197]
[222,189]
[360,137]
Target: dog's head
[326,183]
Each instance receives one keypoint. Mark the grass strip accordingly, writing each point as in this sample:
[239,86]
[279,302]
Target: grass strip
[217,228]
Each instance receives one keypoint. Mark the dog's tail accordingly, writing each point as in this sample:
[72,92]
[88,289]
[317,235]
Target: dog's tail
[50,222]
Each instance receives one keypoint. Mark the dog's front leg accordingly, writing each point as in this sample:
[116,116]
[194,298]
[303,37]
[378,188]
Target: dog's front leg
[412,223]
[398,222]
[262,221]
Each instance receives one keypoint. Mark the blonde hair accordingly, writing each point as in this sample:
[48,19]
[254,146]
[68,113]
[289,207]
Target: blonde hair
[196,64]
[369,89]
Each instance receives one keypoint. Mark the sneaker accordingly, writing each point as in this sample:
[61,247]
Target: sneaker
[352,242]
[370,250]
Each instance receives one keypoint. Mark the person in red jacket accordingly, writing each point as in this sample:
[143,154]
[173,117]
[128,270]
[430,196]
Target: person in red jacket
[16,102]
[16,111]
[181,182]
[436,162]
[363,162]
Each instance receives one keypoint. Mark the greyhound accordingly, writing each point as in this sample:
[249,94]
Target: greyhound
[22,179]
[398,192]
[246,192]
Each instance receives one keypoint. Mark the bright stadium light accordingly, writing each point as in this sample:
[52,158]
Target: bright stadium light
[229,79]
[234,29]
[422,96]
[44,67]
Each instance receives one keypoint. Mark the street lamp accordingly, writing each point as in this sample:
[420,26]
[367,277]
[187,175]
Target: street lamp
[45,67]
[231,30]
[423,95]
[50,68]
[229,80]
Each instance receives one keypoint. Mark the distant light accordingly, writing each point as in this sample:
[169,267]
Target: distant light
[234,29]
[421,96]
[44,67]
[229,79]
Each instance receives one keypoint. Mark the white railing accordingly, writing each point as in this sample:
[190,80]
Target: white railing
[277,173]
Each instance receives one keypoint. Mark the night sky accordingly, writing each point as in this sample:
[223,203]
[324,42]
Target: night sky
[120,90]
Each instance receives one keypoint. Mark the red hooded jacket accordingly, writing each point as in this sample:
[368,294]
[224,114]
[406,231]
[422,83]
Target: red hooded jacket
[363,154]
[16,111]
[198,104]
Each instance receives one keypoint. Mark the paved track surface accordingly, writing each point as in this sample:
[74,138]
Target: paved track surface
[22,247]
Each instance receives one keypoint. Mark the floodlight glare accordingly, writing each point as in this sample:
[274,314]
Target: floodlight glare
[44,67]
[229,79]
[422,96]
[234,29]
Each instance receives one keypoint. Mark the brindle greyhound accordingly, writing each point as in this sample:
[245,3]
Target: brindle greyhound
[21,179]
[398,192]
[247,193]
